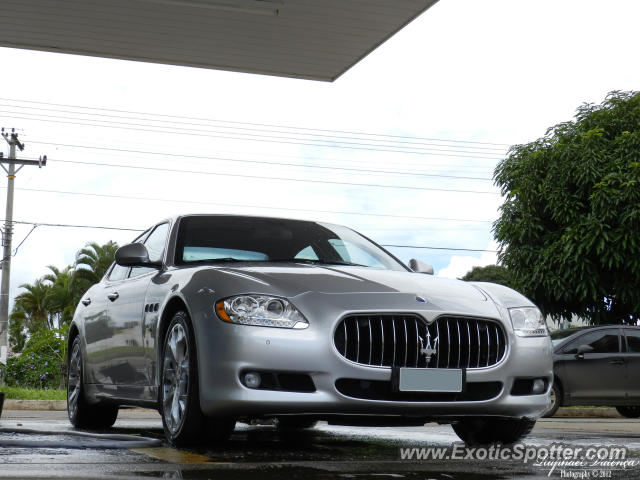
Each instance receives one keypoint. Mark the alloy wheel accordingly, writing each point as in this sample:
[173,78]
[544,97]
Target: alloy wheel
[74,379]
[175,383]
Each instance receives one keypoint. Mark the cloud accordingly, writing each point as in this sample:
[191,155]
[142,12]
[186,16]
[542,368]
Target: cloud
[459,265]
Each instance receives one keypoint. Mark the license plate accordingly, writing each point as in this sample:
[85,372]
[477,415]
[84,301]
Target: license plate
[430,380]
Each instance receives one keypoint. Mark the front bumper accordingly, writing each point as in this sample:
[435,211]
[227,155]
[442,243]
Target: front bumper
[226,350]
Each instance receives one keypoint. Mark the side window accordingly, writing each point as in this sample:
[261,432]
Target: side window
[155,244]
[633,340]
[602,341]
[118,273]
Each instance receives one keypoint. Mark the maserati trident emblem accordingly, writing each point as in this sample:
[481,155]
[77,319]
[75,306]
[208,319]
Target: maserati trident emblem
[427,348]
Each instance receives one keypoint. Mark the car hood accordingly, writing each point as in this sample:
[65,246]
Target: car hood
[294,279]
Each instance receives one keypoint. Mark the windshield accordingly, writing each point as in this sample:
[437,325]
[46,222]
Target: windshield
[559,336]
[218,239]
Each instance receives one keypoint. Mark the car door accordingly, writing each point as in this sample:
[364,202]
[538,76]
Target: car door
[98,330]
[632,360]
[597,377]
[126,311]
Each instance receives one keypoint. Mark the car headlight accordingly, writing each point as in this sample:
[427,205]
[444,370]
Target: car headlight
[528,322]
[260,310]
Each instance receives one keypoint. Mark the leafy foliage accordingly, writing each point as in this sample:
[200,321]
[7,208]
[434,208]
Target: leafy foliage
[41,364]
[490,273]
[569,228]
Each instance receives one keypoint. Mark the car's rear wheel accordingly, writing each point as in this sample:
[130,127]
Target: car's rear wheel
[182,418]
[556,400]
[629,412]
[81,413]
[484,430]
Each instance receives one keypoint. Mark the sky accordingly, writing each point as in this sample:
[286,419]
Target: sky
[381,149]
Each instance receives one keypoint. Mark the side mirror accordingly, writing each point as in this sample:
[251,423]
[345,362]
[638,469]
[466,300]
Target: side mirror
[419,266]
[135,255]
[582,349]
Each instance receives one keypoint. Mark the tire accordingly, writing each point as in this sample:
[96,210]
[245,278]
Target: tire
[83,414]
[182,417]
[294,423]
[481,431]
[556,400]
[629,412]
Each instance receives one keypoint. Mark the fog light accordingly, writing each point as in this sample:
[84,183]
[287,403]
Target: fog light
[538,386]
[252,380]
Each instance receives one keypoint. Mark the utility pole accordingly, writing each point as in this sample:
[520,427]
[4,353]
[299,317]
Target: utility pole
[7,234]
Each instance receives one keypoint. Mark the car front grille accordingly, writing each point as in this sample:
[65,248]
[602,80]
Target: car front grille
[387,340]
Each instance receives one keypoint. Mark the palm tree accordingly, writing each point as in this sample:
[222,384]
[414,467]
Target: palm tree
[17,326]
[63,297]
[92,262]
[34,302]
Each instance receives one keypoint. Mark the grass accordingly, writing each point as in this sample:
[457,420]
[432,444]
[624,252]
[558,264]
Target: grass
[17,393]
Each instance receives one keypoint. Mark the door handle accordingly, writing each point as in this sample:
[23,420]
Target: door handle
[616,361]
[86,302]
[113,296]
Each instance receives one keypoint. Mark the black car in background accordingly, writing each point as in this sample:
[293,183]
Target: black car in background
[597,366]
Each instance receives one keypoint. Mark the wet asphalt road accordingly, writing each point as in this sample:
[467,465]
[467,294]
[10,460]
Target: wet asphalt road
[325,452]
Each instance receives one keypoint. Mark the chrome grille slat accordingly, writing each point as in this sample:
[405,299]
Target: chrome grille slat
[479,343]
[393,327]
[370,340]
[483,337]
[458,341]
[357,341]
[346,338]
[468,345]
[417,344]
[488,346]
[448,341]
[382,338]
[406,340]
[438,352]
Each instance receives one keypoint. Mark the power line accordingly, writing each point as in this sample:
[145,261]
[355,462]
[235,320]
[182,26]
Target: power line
[242,160]
[67,225]
[254,138]
[180,170]
[286,179]
[298,157]
[40,224]
[178,117]
[253,131]
[195,202]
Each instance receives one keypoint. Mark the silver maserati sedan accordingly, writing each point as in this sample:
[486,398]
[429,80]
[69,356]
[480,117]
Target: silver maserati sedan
[214,319]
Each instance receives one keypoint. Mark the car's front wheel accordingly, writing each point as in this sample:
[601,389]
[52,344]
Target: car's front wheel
[629,412]
[81,413]
[182,418]
[484,430]
[556,400]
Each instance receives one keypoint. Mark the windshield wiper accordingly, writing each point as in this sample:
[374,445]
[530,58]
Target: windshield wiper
[317,261]
[217,260]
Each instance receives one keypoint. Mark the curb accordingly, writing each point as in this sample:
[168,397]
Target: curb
[57,405]
[563,412]
[587,412]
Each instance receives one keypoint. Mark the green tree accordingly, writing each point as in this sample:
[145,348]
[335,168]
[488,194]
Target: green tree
[92,262]
[490,273]
[17,329]
[63,295]
[34,302]
[569,227]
